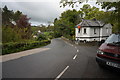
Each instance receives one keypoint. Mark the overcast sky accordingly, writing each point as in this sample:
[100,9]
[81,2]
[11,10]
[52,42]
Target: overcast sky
[40,11]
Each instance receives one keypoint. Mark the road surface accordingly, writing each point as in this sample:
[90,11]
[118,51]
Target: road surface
[62,60]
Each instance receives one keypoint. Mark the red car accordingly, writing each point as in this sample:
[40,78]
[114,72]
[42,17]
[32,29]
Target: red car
[109,52]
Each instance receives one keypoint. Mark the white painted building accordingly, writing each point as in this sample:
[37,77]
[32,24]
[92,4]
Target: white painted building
[92,30]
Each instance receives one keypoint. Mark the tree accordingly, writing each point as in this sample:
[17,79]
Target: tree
[15,32]
[23,21]
[71,3]
[7,16]
[65,25]
[91,12]
[114,15]
[17,16]
[24,25]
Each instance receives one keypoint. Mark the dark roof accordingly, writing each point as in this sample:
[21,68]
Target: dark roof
[90,23]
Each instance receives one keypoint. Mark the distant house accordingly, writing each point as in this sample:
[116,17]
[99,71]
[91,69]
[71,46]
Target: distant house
[92,30]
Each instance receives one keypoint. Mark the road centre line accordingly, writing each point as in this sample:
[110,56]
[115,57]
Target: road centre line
[61,73]
[75,56]
[77,50]
[68,43]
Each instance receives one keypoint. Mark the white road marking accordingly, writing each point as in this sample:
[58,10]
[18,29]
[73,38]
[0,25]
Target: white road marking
[75,56]
[61,73]
[77,50]
[68,43]
[76,43]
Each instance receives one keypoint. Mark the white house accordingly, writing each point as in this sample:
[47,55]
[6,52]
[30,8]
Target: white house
[92,30]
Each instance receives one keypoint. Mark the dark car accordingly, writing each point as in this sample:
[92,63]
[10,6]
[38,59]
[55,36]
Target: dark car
[109,52]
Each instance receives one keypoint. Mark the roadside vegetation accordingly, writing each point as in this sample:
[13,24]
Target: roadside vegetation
[12,47]
[18,34]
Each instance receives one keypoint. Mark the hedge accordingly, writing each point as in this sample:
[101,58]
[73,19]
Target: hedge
[13,47]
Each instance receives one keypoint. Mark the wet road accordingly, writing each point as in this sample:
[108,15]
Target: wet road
[62,60]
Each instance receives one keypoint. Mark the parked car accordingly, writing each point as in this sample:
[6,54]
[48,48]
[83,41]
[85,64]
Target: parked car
[109,52]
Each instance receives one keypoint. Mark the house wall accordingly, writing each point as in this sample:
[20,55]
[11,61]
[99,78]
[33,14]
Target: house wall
[106,30]
[81,34]
[95,34]
[90,36]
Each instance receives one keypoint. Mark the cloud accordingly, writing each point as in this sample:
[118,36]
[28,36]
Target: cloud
[39,12]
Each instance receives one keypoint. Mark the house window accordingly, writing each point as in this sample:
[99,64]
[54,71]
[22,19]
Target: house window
[107,30]
[85,31]
[94,30]
[79,30]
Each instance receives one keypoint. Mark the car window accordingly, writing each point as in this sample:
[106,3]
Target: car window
[113,38]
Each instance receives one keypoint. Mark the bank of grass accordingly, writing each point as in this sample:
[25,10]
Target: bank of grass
[82,43]
[12,47]
[93,43]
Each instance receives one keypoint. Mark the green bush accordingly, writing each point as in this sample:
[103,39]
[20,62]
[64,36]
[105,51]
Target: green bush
[49,35]
[10,35]
[57,34]
[69,37]
[12,47]
[41,37]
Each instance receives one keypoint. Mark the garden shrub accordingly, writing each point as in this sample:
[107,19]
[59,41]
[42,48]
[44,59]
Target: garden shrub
[13,47]
[10,35]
